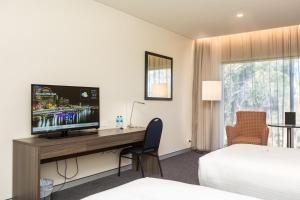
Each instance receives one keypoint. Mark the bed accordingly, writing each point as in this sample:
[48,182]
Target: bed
[270,173]
[159,189]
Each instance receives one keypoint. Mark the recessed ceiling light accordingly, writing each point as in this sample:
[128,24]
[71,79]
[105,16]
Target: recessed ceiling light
[239,15]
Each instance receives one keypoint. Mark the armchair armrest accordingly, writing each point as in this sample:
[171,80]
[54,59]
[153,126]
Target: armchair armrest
[231,133]
[265,135]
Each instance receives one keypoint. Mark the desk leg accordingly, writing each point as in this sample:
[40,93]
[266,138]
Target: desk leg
[289,138]
[150,165]
[26,172]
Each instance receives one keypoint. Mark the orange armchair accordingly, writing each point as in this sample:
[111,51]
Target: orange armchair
[251,128]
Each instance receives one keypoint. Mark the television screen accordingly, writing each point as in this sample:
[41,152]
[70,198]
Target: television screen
[61,108]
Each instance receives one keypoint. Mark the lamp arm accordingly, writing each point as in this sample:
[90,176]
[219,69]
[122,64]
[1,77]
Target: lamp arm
[132,109]
[130,125]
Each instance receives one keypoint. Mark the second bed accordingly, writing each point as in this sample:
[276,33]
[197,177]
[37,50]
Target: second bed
[270,173]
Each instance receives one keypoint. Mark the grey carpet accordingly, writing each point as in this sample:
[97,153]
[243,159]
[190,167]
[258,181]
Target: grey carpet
[183,168]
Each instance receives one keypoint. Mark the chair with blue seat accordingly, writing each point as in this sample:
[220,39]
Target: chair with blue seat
[149,147]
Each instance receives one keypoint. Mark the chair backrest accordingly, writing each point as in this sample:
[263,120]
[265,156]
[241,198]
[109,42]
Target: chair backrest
[251,122]
[153,134]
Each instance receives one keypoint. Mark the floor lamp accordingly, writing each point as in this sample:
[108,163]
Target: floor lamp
[211,91]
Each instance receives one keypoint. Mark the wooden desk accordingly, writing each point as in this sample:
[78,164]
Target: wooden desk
[30,153]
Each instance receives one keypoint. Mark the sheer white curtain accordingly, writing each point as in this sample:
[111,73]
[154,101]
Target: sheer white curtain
[260,71]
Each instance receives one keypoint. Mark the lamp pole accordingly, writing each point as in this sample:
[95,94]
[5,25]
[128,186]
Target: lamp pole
[211,118]
[211,91]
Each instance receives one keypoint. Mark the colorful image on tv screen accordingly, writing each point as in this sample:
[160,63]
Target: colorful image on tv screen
[57,108]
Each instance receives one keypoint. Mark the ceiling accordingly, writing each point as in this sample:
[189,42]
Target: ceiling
[205,18]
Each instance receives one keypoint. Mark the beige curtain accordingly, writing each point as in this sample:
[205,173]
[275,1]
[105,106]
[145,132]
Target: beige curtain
[260,45]
[206,67]
[157,63]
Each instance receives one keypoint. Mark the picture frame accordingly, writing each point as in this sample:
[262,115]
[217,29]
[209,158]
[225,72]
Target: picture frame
[158,77]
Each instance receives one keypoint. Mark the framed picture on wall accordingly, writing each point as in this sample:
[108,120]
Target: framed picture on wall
[158,77]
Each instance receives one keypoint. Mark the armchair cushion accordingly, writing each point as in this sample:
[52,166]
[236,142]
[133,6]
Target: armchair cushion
[243,139]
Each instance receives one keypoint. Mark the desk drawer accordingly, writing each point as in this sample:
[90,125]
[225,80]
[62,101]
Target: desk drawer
[59,150]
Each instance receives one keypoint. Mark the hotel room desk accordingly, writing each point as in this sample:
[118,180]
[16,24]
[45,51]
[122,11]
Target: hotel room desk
[30,153]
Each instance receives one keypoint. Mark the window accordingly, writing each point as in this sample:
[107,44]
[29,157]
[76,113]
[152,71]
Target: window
[272,86]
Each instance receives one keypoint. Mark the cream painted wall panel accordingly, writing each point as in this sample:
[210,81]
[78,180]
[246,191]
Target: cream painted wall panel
[82,42]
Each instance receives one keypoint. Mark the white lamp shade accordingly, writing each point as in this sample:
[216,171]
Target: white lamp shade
[160,90]
[211,90]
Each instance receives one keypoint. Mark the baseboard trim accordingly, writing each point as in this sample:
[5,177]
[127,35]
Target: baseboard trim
[175,153]
[93,177]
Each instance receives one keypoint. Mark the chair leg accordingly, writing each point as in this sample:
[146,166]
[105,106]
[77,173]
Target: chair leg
[160,169]
[119,169]
[137,163]
[141,163]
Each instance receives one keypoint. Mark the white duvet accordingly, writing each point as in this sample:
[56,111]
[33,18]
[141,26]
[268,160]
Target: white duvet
[159,189]
[270,173]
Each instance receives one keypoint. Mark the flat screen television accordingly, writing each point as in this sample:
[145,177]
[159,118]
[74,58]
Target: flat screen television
[58,108]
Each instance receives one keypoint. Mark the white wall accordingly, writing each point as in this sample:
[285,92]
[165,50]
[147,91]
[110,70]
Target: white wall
[82,42]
